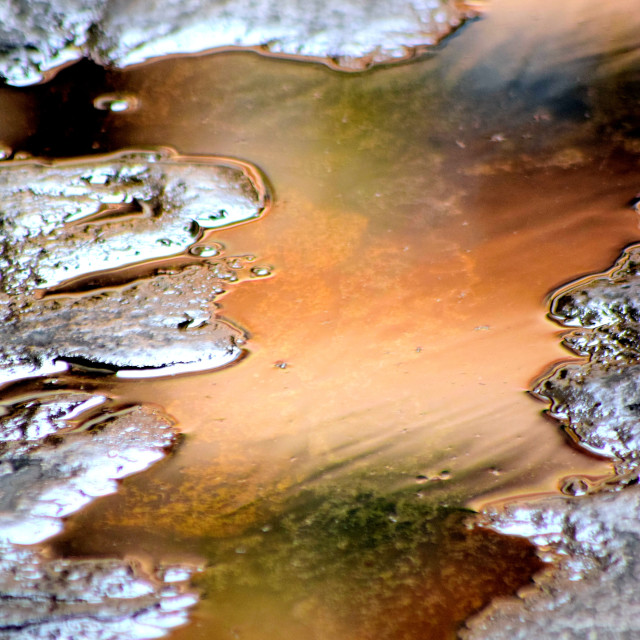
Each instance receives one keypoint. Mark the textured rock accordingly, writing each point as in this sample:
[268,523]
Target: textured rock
[59,451]
[593,591]
[595,538]
[36,37]
[598,399]
[73,599]
[64,219]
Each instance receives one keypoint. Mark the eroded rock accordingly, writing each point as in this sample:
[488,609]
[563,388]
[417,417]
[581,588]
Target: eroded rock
[598,398]
[592,590]
[161,325]
[65,219]
[97,599]
[60,450]
[37,37]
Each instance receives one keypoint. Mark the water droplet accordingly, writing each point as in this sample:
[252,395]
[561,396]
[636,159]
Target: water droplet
[260,271]
[281,364]
[207,250]
[5,151]
[494,471]
[116,102]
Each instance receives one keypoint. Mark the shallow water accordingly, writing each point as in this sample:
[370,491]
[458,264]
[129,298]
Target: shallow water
[422,213]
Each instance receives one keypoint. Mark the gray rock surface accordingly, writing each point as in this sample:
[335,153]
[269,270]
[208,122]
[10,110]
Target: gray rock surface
[85,599]
[65,219]
[353,34]
[593,591]
[161,325]
[59,451]
[598,399]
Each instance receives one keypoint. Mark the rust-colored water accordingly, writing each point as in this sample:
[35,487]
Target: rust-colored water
[422,214]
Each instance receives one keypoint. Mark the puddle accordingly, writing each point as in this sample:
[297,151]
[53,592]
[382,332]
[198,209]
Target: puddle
[421,215]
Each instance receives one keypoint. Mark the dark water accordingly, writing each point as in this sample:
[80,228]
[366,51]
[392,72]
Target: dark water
[421,214]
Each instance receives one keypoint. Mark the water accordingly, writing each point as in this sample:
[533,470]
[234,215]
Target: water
[421,215]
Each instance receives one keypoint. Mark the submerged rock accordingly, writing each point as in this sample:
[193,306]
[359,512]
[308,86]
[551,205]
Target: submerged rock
[65,219]
[37,37]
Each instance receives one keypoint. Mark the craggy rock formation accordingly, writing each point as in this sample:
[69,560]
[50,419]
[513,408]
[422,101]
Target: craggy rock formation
[58,452]
[165,324]
[595,538]
[598,399]
[593,590]
[37,37]
[79,218]
[64,219]
[97,599]
[75,220]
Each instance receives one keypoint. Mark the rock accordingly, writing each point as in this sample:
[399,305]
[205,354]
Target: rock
[349,35]
[592,591]
[59,451]
[65,219]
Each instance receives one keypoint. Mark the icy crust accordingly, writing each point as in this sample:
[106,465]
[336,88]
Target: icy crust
[593,590]
[59,451]
[164,324]
[80,599]
[37,37]
[66,219]
[598,398]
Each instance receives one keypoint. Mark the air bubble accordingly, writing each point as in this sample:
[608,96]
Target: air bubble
[574,486]
[260,272]
[207,251]
[116,102]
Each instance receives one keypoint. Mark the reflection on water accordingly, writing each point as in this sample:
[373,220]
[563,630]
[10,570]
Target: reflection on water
[422,213]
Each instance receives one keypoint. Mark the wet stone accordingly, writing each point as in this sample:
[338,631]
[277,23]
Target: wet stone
[161,325]
[59,451]
[592,591]
[52,463]
[99,599]
[37,37]
[66,219]
[598,398]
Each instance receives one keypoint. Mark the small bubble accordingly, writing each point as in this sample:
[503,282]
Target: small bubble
[5,151]
[281,364]
[260,272]
[574,486]
[494,471]
[420,479]
[207,250]
[266,528]
[241,550]
[445,475]
[116,102]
